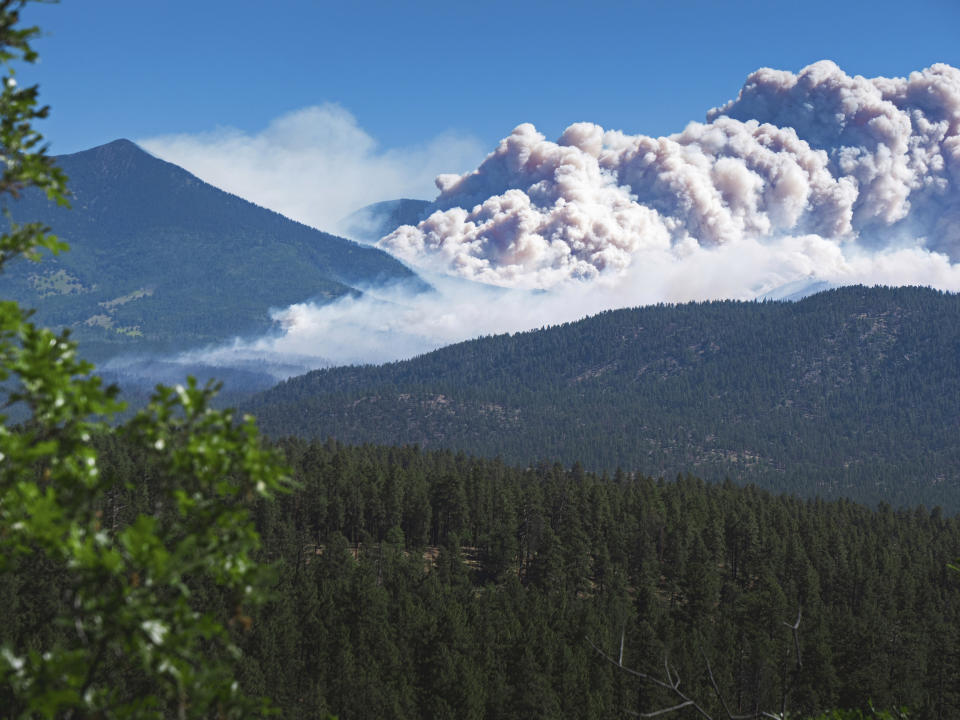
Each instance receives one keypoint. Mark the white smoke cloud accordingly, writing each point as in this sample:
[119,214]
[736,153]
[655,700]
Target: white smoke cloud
[861,165]
[802,182]
[387,324]
[315,165]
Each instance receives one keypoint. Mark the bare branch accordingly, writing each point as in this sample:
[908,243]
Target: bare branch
[796,635]
[672,684]
[631,671]
[688,703]
[666,669]
[716,689]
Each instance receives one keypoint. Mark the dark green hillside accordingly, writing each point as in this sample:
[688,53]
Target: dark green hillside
[161,260]
[854,391]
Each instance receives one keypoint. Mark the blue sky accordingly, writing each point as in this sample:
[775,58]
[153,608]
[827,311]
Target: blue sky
[411,71]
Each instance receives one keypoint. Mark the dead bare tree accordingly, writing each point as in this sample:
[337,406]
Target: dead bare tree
[671,682]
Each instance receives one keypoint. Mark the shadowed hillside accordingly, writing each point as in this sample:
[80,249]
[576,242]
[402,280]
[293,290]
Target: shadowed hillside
[852,392]
[372,222]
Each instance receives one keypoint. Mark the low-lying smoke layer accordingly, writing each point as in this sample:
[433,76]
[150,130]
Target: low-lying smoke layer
[395,323]
[816,174]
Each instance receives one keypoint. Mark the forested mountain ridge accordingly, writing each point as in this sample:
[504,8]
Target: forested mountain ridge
[850,392]
[161,260]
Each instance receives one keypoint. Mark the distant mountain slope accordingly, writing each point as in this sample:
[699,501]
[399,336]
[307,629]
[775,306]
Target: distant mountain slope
[372,222]
[161,260]
[853,391]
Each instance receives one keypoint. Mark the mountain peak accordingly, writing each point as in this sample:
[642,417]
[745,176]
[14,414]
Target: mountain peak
[113,159]
[118,144]
[118,147]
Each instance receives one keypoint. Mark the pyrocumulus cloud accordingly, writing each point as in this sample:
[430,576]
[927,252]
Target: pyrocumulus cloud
[803,181]
[816,173]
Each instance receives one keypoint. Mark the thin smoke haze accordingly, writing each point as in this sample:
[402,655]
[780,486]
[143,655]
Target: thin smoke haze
[314,165]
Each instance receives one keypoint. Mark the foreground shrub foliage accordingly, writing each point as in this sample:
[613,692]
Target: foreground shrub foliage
[106,618]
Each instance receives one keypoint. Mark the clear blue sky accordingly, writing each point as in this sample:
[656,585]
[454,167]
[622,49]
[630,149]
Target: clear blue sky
[411,70]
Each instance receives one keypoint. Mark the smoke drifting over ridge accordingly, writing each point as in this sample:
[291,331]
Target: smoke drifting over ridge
[815,174]
[802,182]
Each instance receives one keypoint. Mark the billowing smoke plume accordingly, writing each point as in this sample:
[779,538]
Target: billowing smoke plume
[817,174]
[803,182]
